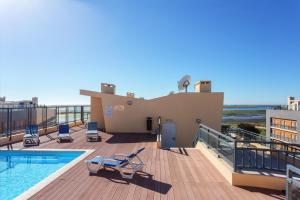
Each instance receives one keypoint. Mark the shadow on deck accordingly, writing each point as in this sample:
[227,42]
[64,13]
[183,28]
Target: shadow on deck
[141,179]
[117,138]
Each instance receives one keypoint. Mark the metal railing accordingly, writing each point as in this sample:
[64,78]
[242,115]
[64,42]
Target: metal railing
[274,156]
[15,120]
[222,144]
[241,134]
[258,155]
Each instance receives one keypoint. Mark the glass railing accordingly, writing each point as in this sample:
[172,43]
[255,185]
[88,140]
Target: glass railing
[219,143]
[15,120]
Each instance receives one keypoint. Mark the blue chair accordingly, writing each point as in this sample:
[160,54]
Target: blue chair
[92,132]
[64,133]
[31,136]
[127,165]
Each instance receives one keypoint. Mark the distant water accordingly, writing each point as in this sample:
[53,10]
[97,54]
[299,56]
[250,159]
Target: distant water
[262,107]
[245,117]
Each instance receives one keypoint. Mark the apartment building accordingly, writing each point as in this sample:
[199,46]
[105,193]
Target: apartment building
[18,104]
[284,125]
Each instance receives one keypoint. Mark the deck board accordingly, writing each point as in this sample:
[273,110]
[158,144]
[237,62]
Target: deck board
[168,174]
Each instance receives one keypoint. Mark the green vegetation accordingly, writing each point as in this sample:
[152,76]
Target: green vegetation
[225,128]
[248,119]
[243,112]
[248,127]
[260,123]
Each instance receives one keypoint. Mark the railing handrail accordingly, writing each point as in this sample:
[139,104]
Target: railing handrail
[218,138]
[248,132]
[268,142]
[216,132]
[273,150]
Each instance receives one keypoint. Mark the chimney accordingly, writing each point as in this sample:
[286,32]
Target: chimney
[130,94]
[203,86]
[108,88]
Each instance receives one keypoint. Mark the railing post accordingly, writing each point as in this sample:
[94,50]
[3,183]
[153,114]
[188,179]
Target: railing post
[67,114]
[234,157]
[74,114]
[57,115]
[208,139]
[46,119]
[7,122]
[82,114]
[10,122]
[2,127]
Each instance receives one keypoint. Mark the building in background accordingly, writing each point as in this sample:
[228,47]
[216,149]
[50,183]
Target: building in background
[177,115]
[284,125]
[293,104]
[18,104]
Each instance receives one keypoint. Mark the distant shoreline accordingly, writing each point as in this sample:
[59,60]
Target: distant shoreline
[235,114]
[251,106]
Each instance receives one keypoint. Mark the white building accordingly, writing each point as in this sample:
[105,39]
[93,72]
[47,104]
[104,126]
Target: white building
[293,104]
[284,125]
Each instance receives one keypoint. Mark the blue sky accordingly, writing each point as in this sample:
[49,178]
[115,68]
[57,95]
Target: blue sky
[250,49]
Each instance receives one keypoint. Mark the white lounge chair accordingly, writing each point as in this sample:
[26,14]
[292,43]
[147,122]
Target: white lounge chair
[127,165]
[31,136]
[64,133]
[92,132]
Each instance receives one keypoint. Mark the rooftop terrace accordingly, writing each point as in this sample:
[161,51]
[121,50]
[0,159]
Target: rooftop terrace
[183,173]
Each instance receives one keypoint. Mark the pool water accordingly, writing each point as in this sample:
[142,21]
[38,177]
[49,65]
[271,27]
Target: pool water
[20,170]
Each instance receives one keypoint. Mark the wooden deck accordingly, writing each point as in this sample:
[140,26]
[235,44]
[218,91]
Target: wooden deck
[168,174]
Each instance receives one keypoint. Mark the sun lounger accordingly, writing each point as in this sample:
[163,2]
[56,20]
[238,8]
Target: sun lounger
[127,165]
[92,132]
[64,133]
[31,136]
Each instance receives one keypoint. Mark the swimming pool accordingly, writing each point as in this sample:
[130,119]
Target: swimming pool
[20,170]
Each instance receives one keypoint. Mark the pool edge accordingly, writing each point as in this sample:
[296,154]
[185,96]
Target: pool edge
[46,181]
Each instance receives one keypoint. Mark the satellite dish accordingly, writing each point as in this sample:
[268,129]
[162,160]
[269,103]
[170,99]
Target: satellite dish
[184,83]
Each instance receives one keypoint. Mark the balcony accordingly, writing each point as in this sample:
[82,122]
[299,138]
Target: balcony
[290,128]
[284,138]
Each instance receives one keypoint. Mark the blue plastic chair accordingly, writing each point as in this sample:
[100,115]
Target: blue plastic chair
[64,133]
[92,132]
